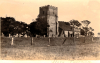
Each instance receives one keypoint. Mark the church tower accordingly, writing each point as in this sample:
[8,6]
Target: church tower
[49,14]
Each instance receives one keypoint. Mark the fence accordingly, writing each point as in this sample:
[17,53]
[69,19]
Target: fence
[45,41]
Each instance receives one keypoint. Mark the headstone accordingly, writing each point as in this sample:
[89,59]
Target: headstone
[16,35]
[44,36]
[66,33]
[2,35]
[19,35]
[25,35]
[36,36]
[9,35]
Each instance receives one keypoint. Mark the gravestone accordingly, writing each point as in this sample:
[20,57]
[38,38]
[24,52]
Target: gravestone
[36,36]
[9,35]
[66,33]
[25,35]
[2,35]
[19,35]
[44,36]
[16,35]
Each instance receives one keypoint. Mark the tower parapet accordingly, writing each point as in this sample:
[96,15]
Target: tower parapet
[48,6]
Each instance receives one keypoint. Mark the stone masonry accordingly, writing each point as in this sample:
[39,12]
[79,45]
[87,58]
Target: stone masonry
[49,14]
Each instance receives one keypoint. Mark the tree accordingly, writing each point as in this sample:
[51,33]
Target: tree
[7,25]
[41,26]
[91,29]
[90,33]
[85,24]
[10,25]
[75,22]
[11,29]
[86,29]
[75,25]
[32,28]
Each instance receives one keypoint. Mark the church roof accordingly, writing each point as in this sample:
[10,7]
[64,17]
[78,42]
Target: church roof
[65,26]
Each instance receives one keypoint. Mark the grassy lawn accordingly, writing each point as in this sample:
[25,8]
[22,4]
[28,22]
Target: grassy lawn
[23,50]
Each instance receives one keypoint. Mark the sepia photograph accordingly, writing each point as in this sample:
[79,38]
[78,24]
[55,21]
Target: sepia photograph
[50,30]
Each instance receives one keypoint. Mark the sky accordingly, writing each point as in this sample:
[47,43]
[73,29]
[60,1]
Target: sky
[28,10]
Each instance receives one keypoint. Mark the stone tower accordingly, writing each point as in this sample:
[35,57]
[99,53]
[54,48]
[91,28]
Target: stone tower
[49,14]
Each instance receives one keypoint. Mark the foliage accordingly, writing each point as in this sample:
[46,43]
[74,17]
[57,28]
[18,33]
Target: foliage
[10,25]
[39,27]
[85,27]
[85,23]
[91,29]
[7,25]
[91,33]
[75,22]
[86,31]
[32,28]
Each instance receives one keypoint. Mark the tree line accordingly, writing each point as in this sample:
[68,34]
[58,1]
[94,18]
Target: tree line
[10,26]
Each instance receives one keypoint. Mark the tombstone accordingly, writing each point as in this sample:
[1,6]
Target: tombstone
[36,36]
[44,36]
[9,35]
[25,35]
[19,35]
[2,35]
[16,35]
[66,33]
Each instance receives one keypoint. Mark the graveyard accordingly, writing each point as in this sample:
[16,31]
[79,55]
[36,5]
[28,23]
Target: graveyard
[22,49]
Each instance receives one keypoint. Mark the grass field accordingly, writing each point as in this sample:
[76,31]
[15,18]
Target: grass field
[23,50]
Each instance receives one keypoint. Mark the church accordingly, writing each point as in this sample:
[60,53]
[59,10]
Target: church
[49,15]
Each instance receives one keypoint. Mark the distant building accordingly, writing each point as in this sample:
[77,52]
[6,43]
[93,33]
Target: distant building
[65,30]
